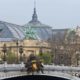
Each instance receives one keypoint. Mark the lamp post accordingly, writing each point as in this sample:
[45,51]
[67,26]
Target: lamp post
[40,51]
[21,51]
[17,44]
[4,51]
[77,59]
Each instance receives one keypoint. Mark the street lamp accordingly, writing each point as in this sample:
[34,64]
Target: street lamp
[40,51]
[4,51]
[77,59]
[21,51]
[17,44]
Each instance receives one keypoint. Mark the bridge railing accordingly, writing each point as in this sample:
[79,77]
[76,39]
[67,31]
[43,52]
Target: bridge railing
[11,70]
[19,67]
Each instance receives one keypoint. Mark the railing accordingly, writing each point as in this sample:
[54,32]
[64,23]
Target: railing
[12,70]
[18,67]
[62,68]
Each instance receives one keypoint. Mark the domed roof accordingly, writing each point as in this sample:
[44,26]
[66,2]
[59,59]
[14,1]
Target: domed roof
[9,31]
[36,29]
[33,30]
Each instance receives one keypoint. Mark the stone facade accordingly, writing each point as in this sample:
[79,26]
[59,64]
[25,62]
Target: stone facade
[29,47]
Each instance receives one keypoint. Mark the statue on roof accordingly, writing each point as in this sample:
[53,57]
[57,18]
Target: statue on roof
[30,33]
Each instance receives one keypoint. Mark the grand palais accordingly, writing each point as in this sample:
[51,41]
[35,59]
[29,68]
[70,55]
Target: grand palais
[36,37]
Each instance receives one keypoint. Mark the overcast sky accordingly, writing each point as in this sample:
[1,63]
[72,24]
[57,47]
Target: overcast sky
[56,13]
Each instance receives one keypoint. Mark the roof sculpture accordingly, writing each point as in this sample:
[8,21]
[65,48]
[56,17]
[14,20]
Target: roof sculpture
[30,33]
